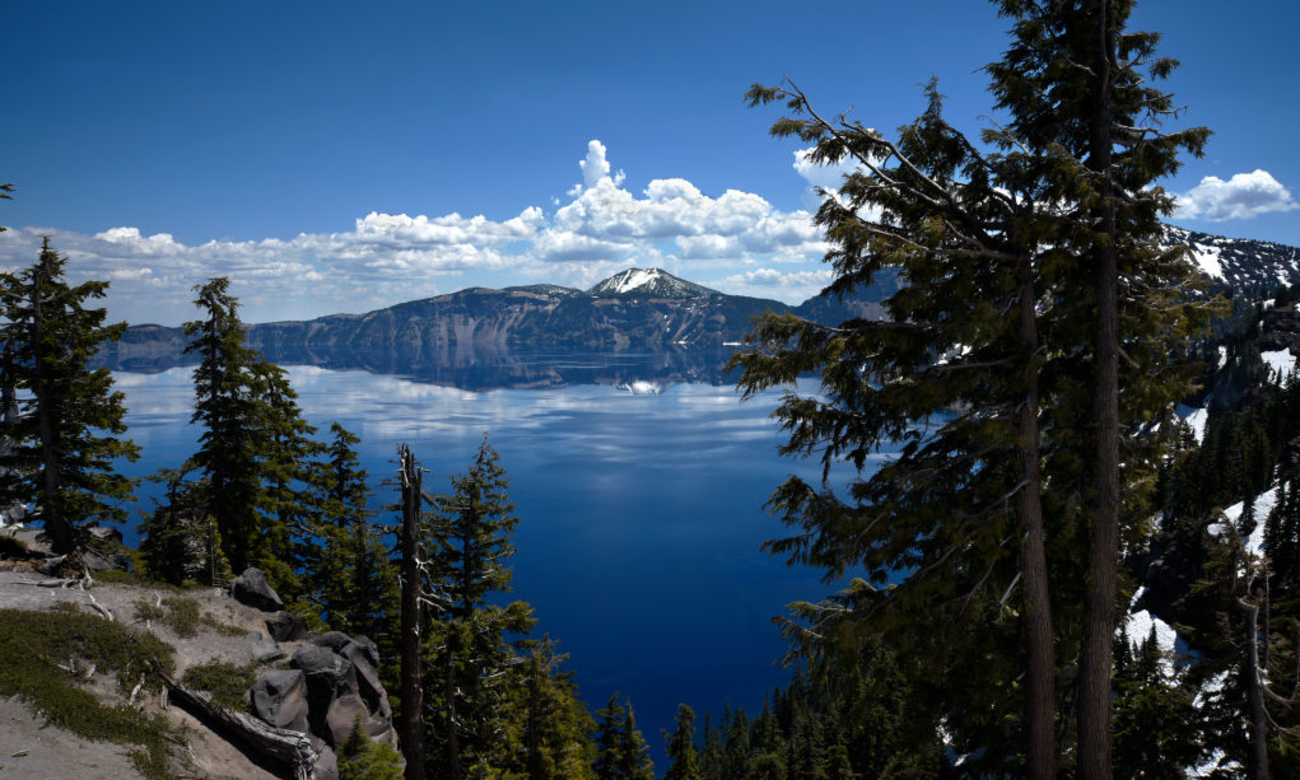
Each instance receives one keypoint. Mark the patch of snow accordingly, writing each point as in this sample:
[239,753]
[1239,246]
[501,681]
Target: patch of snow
[1223,356]
[1139,627]
[634,278]
[1282,362]
[1196,418]
[1207,257]
[1264,504]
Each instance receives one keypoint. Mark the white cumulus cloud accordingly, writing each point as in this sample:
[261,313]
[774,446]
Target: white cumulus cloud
[386,258]
[1244,196]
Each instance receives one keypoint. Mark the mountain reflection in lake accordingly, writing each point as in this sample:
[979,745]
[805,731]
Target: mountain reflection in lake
[640,513]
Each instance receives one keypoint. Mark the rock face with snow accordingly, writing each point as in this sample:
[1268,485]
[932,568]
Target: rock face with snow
[647,283]
[1242,264]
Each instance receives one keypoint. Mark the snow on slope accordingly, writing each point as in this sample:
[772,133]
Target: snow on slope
[1139,628]
[632,279]
[1282,363]
[648,282]
[1207,257]
[1196,418]
[1264,503]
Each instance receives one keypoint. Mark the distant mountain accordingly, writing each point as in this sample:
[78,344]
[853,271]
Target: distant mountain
[1247,266]
[636,309]
[647,283]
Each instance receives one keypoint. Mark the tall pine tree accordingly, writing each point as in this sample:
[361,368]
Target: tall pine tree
[68,430]
[467,544]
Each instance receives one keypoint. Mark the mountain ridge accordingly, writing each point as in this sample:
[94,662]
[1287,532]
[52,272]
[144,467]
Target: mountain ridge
[635,309]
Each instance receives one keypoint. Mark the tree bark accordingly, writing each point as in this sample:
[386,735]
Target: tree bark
[1099,601]
[411,726]
[1040,705]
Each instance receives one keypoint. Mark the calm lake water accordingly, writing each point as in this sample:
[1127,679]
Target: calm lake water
[640,515]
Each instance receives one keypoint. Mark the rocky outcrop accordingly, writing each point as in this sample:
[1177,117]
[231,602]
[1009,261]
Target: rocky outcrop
[332,681]
[251,588]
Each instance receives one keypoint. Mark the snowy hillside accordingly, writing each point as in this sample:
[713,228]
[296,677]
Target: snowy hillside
[648,283]
[1238,262]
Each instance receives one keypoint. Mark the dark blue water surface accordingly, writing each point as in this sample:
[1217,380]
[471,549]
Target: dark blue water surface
[640,515]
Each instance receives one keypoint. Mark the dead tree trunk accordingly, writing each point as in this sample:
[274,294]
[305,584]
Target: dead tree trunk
[411,725]
[283,746]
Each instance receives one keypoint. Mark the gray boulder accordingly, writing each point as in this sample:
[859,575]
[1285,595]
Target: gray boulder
[284,627]
[367,676]
[327,765]
[251,588]
[329,676]
[280,698]
[342,714]
[333,640]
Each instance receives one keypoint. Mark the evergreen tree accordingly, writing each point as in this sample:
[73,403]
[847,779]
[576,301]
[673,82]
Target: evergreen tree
[1079,88]
[360,758]
[1155,728]
[1002,254]
[357,581]
[609,723]
[179,539]
[684,759]
[285,450]
[633,753]
[711,755]
[552,724]
[468,546]
[254,448]
[225,411]
[68,430]
[621,751]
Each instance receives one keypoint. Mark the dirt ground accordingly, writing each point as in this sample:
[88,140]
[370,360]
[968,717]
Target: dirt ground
[33,752]
[30,751]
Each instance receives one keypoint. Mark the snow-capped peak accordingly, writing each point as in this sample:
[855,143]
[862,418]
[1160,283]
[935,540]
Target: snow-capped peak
[648,283]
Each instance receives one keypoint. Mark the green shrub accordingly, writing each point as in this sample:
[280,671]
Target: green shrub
[13,547]
[32,644]
[228,683]
[181,615]
[361,758]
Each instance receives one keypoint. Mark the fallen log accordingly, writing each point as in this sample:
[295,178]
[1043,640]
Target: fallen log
[290,748]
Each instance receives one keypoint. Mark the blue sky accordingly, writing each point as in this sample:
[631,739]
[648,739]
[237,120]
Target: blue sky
[341,157]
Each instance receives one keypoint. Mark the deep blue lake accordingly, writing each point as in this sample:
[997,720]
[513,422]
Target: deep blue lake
[640,506]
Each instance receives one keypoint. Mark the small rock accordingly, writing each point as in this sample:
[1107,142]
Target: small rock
[251,588]
[266,651]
